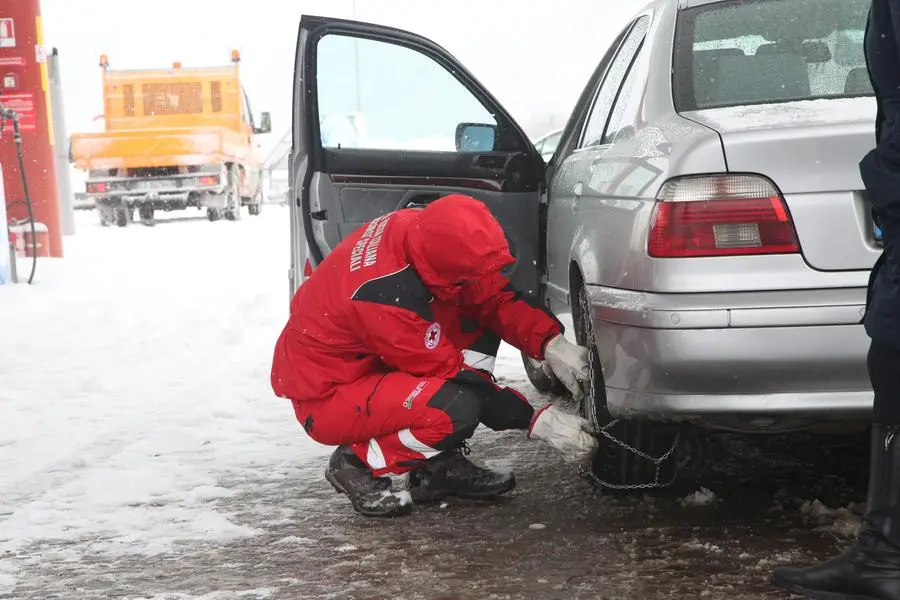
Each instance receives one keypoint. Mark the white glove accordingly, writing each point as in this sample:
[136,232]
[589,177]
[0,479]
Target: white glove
[564,431]
[568,363]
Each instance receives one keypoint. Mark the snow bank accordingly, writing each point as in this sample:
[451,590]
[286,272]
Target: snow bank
[844,522]
[702,497]
[134,387]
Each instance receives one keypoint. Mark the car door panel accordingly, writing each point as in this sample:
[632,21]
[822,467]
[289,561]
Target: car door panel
[357,203]
[341,186]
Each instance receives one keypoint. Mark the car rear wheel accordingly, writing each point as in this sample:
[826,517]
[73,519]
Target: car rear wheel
[634,455]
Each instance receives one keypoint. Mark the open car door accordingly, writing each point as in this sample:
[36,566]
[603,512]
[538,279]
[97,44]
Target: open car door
[385,119]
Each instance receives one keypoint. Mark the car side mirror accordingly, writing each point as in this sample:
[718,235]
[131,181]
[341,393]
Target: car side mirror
[475,137]
[265,123]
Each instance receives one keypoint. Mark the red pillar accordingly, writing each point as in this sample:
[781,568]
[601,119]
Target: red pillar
[24,88]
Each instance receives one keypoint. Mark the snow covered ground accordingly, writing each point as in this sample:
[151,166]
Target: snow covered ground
[133,379]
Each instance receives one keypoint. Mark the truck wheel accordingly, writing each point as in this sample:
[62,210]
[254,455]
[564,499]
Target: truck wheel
[107,215]
[213,214]
[618,466]
[146,214]
[123,216]
[255,206]
[233,201]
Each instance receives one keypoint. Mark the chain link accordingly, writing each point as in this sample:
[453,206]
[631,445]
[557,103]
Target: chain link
[586,472]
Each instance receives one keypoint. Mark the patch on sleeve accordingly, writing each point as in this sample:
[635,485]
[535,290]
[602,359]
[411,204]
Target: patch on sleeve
[433,336]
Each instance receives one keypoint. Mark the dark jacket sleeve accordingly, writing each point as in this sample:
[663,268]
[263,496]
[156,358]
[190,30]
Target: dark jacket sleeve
[516,317]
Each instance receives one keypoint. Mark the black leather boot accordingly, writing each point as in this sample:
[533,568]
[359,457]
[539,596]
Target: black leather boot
[370,496]
[452,474]
[870,569]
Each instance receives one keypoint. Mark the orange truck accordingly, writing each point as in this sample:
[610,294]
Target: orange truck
[173,139]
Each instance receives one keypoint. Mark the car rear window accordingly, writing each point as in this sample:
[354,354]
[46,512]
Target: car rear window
[743,52]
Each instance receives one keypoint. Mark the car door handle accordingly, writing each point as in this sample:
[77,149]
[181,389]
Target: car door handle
[578,190]
[421,200]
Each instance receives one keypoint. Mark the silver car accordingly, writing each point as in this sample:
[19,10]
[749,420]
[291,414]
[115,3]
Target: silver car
[547,144]
[702,221]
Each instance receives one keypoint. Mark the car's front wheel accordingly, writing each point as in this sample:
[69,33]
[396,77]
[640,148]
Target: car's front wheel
[539,379]
[634,454]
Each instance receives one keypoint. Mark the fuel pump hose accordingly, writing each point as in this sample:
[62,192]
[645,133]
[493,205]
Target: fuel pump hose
[7,114]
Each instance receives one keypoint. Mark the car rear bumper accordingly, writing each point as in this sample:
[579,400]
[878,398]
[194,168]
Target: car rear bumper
[765,358]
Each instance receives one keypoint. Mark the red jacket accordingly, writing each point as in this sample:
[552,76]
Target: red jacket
[406,292]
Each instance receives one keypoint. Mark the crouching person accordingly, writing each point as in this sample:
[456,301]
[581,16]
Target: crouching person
[388,351]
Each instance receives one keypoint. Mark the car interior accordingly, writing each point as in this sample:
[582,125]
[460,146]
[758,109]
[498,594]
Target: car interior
[728,76]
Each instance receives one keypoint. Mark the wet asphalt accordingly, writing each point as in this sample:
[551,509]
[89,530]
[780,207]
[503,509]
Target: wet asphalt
[555,537]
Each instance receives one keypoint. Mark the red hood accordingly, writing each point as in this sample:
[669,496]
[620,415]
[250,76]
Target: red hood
[456,239]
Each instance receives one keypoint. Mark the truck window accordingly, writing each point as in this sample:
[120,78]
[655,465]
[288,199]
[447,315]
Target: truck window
[246,112]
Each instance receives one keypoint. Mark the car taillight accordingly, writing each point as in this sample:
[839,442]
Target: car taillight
[209,180]
[97,188]
[721,215]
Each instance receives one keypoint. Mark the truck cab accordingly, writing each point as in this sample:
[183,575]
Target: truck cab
[173,139]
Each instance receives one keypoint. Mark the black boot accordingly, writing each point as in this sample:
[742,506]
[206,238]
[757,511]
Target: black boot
[870,570]
[370,496]
[452,474]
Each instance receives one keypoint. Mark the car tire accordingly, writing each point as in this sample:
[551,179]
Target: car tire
[540,380]
[616,467]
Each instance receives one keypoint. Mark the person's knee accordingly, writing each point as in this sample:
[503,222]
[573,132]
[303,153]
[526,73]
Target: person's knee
[463,406]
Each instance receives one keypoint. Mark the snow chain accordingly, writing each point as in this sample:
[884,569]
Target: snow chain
[588,474]
[585,471]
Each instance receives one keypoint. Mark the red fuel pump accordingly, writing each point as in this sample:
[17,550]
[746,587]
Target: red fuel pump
[24,88]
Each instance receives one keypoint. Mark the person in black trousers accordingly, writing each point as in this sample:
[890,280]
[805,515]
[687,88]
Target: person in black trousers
[870,570]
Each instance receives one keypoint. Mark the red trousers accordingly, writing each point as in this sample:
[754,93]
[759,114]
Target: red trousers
[396,421]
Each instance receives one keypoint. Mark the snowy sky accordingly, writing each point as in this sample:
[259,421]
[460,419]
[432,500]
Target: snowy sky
[535,58]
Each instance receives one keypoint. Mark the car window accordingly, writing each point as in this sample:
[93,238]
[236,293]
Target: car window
[552,142]
[625,113]
[757,51]
[393,98]
[596,122]
[540,145]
